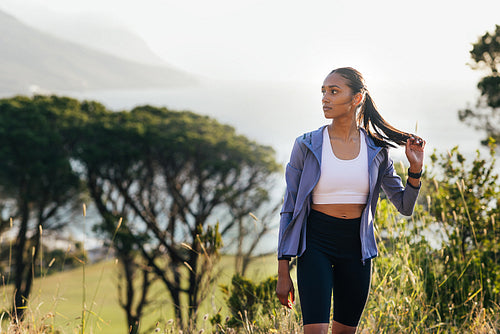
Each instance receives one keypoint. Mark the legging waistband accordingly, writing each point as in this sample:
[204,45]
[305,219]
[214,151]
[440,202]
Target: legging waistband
[334,236]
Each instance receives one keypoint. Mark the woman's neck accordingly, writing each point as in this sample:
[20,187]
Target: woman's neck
[344,129]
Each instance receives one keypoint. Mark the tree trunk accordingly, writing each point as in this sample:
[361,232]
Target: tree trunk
[133,323]
[20,264]
[238,262]
[30,274]
[194,286]
[128,269]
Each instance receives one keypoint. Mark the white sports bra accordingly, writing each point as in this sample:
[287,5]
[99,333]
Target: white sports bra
[342,181]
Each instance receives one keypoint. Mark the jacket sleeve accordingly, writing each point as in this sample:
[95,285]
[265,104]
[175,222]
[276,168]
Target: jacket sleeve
[403,198]
[293,173]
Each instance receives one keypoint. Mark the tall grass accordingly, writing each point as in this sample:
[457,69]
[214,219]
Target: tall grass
[84,283]
[35,321]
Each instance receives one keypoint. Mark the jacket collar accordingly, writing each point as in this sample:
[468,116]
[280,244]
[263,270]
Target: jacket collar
[373,149]
[314,141]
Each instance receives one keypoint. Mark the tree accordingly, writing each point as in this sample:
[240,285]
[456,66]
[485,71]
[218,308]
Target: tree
[110,150]
[173,177]
[36,178]
[485,55]
[204,167]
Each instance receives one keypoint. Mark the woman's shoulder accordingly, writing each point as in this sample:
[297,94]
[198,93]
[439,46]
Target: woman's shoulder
[308,141]
[307,137]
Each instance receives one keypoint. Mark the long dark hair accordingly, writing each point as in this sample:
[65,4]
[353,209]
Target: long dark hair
[382,133]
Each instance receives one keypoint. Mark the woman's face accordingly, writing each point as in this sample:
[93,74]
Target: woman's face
[338,99]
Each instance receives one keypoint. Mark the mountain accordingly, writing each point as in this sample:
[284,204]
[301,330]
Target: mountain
[30,58]
[105,38]
[94,31]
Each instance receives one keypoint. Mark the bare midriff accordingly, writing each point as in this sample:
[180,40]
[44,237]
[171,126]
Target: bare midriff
[344,211]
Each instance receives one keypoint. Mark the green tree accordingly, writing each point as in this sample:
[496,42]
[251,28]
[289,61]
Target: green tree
[36,178]
[205,167]
[485,56]
[172,176]
[110,151]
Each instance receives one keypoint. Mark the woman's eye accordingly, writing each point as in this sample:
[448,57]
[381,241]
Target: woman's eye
[333,91]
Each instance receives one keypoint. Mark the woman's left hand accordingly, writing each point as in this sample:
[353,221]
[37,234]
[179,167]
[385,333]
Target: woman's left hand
[415,153]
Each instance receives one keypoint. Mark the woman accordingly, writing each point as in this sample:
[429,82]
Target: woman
[333,182]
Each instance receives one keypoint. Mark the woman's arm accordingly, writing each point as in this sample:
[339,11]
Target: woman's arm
[415,154]
[284,287]
[293,173]
[404,198]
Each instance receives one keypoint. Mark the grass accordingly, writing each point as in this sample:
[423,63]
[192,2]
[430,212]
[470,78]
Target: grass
[56,300]
[396,303]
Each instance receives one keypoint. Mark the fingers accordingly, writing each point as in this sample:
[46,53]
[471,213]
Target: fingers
[415,143]
[282,297]
[291,300]
[287,298]
[285,301]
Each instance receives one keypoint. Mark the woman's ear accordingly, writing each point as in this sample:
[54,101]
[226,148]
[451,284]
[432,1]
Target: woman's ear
[358,99]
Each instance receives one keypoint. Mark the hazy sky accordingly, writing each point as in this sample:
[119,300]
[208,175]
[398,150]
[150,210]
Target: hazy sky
[297,41]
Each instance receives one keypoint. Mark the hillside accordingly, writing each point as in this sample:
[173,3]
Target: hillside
[31,58]
[57,299]
[98,34]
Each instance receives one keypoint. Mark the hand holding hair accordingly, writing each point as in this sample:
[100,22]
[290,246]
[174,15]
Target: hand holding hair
[415,153]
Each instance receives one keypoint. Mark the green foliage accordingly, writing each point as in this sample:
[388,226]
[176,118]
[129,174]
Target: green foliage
[466,201]
[486,56]
[37,180]
[210,240]
[35,165]
[490,89]
[249,302]
[165,175]
[397,302]
[439,272]
[170,175]
[486,51]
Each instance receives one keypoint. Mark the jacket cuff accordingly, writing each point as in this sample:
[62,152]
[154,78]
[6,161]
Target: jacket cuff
[417,188]
[285,257]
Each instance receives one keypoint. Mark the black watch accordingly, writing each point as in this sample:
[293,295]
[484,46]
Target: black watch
[414,175]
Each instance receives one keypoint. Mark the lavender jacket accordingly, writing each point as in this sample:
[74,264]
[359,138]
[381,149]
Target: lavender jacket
[302,173]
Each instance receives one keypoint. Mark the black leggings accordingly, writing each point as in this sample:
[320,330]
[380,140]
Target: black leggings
[332,260]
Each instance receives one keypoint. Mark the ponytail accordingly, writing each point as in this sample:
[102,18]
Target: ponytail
[382,133]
